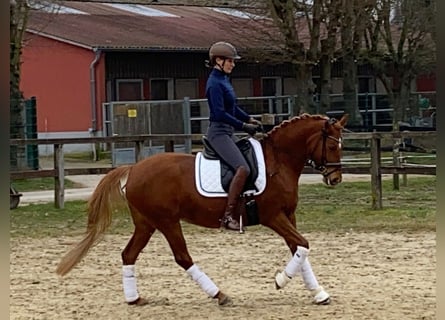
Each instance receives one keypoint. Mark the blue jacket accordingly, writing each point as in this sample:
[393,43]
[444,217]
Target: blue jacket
[222,101]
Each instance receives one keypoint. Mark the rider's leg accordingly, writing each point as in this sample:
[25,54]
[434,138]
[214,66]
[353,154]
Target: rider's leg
[223,142]
[236,187]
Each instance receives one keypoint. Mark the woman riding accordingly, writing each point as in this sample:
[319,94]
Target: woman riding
[226,117]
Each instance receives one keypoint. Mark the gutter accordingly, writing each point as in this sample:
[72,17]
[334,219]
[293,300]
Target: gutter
[93,89]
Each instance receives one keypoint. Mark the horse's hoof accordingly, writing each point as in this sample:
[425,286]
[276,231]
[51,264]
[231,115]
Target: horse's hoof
[324,302]
[276,283]
[224,300]
[138,302]
[281,280]
[322,297]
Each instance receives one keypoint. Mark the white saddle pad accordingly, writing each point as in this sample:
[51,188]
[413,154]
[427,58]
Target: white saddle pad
[208,174]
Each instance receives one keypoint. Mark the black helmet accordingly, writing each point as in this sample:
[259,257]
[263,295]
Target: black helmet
[224,50]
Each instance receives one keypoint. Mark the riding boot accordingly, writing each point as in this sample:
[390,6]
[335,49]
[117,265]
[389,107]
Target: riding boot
[236,187]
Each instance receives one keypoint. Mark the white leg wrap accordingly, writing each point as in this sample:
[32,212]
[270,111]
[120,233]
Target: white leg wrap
[311,283]
[292,268]
[321,296]
[203,281]
[129,283]
[309,279]
[281,279]
[294,265]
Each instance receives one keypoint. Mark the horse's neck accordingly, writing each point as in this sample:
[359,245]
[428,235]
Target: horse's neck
[286,149]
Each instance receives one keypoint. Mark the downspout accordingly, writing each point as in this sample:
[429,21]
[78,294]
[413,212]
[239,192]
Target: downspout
[93,90]
[93,128]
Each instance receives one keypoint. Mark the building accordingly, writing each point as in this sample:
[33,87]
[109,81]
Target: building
[79,56]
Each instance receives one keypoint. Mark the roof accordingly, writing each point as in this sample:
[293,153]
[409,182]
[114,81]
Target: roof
[144,27]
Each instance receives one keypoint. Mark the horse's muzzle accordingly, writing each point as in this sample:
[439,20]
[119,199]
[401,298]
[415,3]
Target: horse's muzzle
[332,176]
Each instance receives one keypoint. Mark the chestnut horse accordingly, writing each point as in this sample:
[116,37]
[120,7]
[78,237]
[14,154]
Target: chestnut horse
[160,191]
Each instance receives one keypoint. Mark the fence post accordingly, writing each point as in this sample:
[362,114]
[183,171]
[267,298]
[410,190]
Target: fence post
[376,176]
[169,146]
[373,108]
[187,125]
[139,148]
[59,179]
[396,163]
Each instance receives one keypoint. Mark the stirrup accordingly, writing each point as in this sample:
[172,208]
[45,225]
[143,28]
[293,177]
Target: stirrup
[226,221]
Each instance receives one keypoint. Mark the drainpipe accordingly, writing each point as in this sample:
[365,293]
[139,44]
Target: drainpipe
[93,128]
[93,90]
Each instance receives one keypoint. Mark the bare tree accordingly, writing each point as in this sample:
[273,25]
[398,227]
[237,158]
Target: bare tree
[286,15]
[400,44]
[331,17]
[18,10]
[354,19]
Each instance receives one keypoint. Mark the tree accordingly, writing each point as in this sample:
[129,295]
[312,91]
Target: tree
[286,17]
[354,19]
[19,11]
[18,17]
[331,17]
[400,44]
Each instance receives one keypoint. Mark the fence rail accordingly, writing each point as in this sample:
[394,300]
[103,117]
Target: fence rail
[375,169]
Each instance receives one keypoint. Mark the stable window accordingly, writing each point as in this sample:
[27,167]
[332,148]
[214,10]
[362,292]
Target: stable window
[129,90]
[161,89]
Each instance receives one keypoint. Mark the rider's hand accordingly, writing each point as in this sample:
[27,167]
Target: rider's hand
[250,128]
[255,121]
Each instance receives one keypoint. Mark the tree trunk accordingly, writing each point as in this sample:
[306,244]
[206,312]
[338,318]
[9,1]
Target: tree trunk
[325,84]
[350,91]
[399,105]
[305,90]
[18,18]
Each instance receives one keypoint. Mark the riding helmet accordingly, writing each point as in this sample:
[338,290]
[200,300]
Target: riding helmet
[224,50]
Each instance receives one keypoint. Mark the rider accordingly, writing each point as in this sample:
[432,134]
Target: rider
[226,117]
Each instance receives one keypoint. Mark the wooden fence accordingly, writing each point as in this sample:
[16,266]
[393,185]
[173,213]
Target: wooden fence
[375,169]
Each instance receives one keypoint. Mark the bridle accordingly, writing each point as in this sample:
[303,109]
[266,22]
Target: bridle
[324,166]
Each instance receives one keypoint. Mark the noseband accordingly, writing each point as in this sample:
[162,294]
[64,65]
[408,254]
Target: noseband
[323,167]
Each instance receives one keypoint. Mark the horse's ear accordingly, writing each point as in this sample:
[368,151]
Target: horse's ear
[344,119]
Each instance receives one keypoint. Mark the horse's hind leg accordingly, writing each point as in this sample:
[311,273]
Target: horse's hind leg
[138,241]
[175,238]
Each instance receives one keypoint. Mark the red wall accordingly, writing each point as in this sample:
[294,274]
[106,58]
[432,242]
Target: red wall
[58,75]
[426,82]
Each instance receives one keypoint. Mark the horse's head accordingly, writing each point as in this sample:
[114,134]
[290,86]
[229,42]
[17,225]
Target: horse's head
[326,149]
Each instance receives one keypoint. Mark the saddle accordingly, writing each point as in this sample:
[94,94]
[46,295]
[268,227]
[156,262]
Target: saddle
[226,171]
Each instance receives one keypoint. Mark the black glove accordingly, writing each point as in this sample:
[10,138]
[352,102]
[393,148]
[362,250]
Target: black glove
[258,123]
[255,121]
[250,128]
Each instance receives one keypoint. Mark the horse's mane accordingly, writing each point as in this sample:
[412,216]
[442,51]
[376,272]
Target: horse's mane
[285,123]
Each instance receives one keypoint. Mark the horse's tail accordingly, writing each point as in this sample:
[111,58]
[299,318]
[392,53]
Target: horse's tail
[107,197]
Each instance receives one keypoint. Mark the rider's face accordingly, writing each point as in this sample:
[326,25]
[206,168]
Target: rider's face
[226,65]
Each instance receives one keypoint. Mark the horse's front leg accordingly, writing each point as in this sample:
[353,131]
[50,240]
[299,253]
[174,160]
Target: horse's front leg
[299,263]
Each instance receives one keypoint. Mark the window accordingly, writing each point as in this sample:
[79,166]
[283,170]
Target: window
[161,89]
[129,90]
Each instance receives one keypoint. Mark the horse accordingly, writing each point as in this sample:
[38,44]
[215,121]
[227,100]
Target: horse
[159,192]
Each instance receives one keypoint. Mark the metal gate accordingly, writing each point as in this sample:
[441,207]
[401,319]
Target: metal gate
[144,117]
[185,116]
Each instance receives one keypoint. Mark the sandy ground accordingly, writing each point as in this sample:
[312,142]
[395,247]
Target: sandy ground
[369,276]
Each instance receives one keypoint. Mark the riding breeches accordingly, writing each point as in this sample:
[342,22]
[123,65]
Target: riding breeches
[223,140]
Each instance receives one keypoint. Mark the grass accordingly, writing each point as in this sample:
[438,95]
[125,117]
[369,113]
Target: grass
[347,207]
[39,184]
[344,208]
